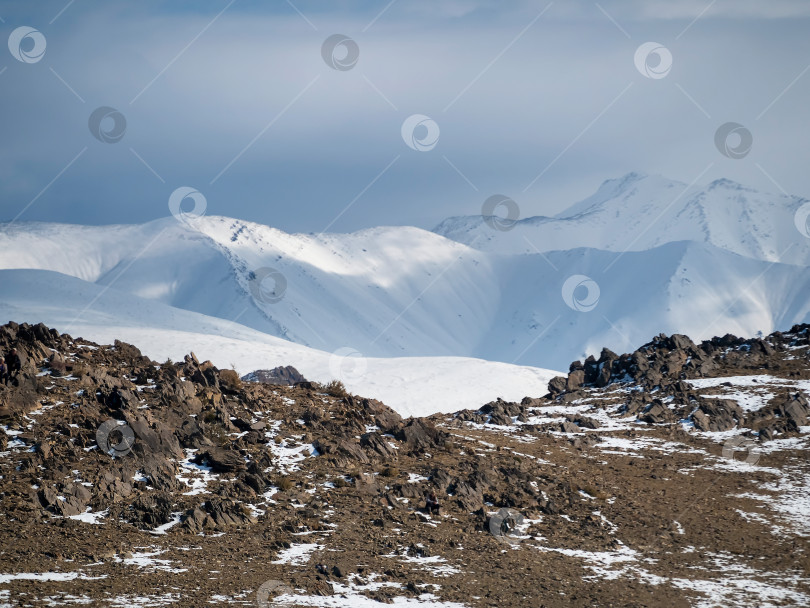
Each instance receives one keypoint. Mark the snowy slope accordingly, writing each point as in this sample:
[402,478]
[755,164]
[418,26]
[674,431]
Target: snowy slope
[389,291]
[385,291]
[682,287]
[412,385]
[639,212]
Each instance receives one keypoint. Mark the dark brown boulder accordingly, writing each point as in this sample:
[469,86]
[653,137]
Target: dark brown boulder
[568,427]
[681,342]
[148,440]
[221,460]
[575,379]
[591,368]
[420,435]
[796,410]
[468,497]
[500,417]
[150,510]
[111,488]
[191,436]
[195,520]
[717,415]
[161,473]
[603,378]
[584,422]
[377,444]
[121,398]
[384,417]
[658,413]
[557,385]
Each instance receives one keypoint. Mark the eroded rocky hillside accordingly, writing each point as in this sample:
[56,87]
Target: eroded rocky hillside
[674,475]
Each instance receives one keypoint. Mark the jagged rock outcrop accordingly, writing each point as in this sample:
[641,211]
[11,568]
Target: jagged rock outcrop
[285,375]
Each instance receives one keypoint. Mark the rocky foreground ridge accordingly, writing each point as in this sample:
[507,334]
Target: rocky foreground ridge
[674,475]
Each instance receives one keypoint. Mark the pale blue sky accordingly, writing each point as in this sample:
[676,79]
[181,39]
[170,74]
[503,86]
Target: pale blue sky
[538,101]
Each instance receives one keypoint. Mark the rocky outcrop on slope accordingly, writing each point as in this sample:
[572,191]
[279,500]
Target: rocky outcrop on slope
[285,375]
[179,416]
[668,359]
[656,378]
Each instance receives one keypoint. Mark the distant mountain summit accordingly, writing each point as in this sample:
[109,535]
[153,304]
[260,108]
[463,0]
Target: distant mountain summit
[639,212]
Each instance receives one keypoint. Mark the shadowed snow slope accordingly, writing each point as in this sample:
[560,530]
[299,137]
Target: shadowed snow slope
[699,261]
[415,386]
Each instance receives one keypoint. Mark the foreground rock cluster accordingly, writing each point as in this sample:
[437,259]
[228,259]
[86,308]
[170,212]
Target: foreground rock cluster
[129,480]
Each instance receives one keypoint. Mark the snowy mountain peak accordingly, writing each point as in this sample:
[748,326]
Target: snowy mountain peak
[637,212]
[611,189]
[727,184]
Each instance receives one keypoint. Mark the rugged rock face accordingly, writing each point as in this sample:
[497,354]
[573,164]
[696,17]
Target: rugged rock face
[285,375]
[180,416]
[664,364]
[238,483]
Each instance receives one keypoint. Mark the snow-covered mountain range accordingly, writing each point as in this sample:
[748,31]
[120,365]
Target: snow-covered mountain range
[641,256]
[640,212]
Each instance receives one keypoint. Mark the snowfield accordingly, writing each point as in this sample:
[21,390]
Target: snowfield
[414,386]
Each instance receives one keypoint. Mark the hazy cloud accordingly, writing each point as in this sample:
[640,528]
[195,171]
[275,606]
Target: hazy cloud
[243,107]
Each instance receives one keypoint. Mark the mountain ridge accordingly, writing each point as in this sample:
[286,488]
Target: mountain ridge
[404,291]
[639,212]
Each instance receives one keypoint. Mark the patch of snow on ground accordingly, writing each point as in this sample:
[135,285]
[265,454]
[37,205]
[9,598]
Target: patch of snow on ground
[169,524]
[131,601]
[288,458]
[48,576]
[602,563]
[146,559]
[297,555]
[351,594]
[790,499]
[730,589]
[737,381]
[89,517]
[414,478]
[197,476]
[435,564]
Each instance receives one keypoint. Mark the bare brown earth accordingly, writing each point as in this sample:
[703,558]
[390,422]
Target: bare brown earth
[625,485]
